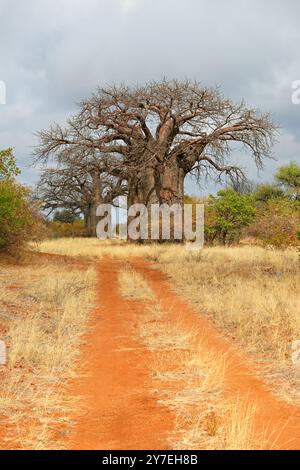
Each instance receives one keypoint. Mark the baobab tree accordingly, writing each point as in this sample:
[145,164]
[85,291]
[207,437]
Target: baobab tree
[157,134]
[77,190]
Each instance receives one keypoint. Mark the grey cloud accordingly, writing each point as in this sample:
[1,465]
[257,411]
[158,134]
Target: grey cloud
[53,53]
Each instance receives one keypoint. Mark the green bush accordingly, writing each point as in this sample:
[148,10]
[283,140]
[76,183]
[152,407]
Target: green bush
[66,216]
[227,215]
[265,192]
[19,218]
[18,222]
[288,177]
[8,166]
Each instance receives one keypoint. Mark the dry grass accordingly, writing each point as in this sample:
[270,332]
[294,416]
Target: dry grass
[192,383]
[160,330]
[92,248]
[222,426]
[239,430]
[46,311]
[250,291]
[253,295]
[133,286]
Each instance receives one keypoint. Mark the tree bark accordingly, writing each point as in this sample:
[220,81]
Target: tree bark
[162,184]
[170,183]
[87,220]
[91,218]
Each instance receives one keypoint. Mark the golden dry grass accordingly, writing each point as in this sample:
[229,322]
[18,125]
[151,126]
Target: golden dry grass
[45,315]
[252,292]
[253,295]
[205,418]
[133,286]
[92,248]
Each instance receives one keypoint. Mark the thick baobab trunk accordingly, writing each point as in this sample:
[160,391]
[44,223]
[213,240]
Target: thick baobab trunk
[170,183]
[163,184]
[142,188]
[157,185]
[93,220]
[170,189]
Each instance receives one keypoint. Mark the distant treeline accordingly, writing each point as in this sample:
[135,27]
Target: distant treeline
[268,214]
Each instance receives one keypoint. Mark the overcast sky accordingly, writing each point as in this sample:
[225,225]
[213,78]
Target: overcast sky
[53,53]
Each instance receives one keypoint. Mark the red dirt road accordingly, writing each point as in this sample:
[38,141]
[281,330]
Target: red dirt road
[121,410]
[117,389]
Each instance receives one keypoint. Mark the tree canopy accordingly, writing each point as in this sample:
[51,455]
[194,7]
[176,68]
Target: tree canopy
[8,166]
[154,135]
[289,178]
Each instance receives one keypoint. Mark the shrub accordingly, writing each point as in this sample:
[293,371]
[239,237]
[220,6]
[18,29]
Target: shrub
[265,192]
[289,178]
[63,229]
[227,215]
[19,218]
[66,216]
[8,167]
[20,221]
[277,223]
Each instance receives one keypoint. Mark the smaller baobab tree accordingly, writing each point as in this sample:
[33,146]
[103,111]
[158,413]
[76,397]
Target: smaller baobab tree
[77,190]
[81,179]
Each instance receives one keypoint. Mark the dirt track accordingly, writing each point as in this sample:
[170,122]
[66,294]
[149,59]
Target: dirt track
[117,388]
[122,412]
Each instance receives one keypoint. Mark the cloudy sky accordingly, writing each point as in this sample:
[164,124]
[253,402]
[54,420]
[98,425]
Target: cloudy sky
[53,53]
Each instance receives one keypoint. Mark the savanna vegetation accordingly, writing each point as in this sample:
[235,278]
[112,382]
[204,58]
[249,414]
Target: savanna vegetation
[228,285]
[44,313]
[267,213]
[141,143]
[19,216]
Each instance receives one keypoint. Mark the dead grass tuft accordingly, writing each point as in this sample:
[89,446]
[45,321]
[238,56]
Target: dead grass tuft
[133,286]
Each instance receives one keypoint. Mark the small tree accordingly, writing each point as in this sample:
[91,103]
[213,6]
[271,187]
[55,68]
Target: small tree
[265,192]
[289,178]
[8,166]
[228,214]
[19,220]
